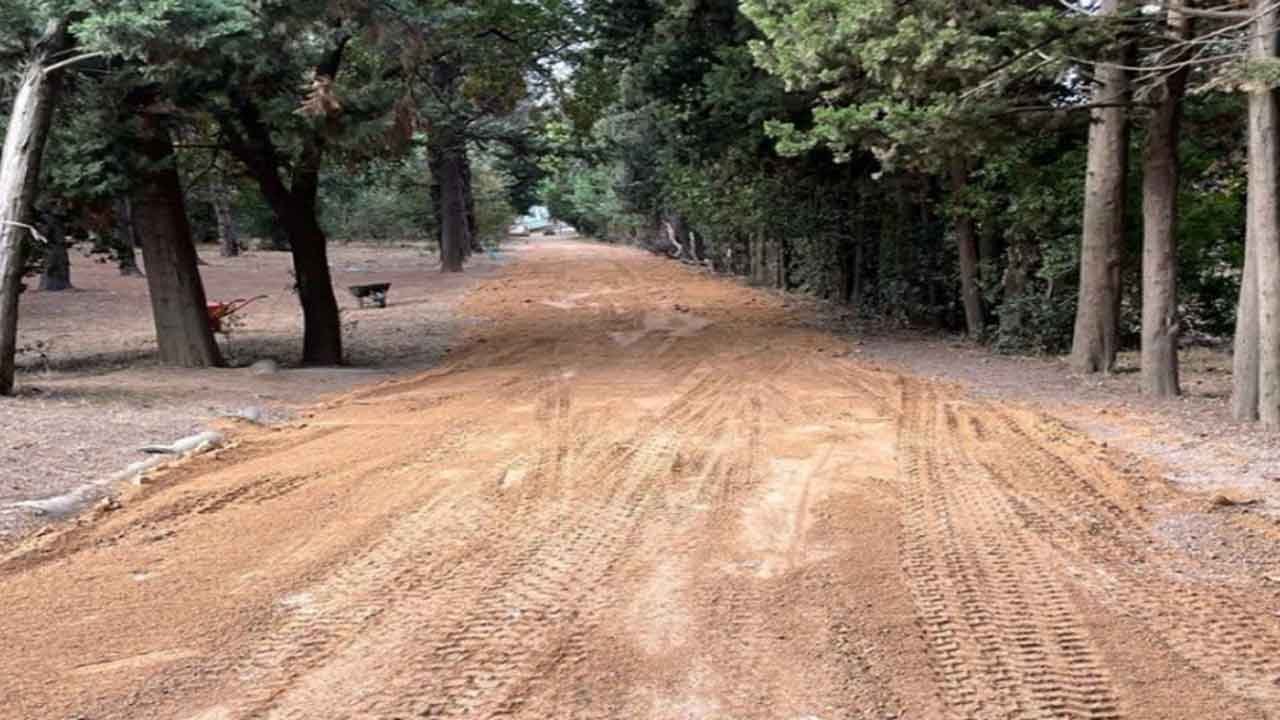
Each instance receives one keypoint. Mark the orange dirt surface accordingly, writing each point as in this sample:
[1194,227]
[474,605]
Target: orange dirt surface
[640,492]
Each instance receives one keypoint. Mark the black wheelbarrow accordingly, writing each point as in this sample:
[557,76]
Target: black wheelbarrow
[375,293]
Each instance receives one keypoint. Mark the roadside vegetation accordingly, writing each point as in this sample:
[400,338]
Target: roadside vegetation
[1045,177]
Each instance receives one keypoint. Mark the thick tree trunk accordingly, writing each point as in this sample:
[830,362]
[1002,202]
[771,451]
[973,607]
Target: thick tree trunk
[1094,343]
[1256,391]
[57,263]
[967,247]
[1159,238]
[454,235]
[126,238]
[28,128]
[228,233]
[447,155]
[178,303]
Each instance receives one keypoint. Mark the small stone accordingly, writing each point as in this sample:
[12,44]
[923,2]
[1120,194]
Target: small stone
[265,366]
[252,413]
[1222,500]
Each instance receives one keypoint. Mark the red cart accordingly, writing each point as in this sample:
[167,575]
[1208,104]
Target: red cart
[220,311]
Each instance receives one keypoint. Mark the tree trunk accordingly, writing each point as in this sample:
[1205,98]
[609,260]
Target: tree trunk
[454,238]
[1245,355]
[178,302]
[228,233]
[279,238]
[435,170]
[322,330]
[1017,274]
[57,264]
[759,271]
[469,198]
[294,207]
[967,246]
[447,156]
[856,290]
[28,128]
[1159,242]
[680,237]
[1096,335]
[126,238]
[784,263]
[1256,391]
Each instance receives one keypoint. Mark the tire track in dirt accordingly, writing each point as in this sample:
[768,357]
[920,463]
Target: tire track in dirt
[1215,628]
[504,607]
[1004,634]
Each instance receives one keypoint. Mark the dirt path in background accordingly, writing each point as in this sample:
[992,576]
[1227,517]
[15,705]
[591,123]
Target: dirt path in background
[638,492]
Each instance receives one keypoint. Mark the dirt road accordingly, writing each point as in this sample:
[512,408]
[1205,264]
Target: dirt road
[638,492]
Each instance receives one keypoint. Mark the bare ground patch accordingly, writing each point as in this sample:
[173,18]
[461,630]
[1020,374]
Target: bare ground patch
[91,392]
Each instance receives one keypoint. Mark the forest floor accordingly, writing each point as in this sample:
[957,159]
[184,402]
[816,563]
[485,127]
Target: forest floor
[637,491]
[91,393]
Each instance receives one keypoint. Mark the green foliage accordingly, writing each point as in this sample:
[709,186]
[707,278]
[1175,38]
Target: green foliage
[1045,324]
[913,82]
[386,200]
[584,196]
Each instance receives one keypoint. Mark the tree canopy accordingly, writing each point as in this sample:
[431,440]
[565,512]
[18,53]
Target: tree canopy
[961,165]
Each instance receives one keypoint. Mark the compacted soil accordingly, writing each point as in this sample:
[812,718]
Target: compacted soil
[635,491]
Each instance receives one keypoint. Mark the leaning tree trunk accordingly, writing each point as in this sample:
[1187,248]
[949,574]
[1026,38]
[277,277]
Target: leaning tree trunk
[1097,325]
[295,212]
[1159,237]
[967,246]
[178,303]
[19,174]
[57,263]
[295,207]
[322,329]
[1256,376]
[228,233]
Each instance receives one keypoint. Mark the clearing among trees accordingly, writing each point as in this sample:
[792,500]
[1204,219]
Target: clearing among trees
[618,499]
[641,489]
[93,392]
